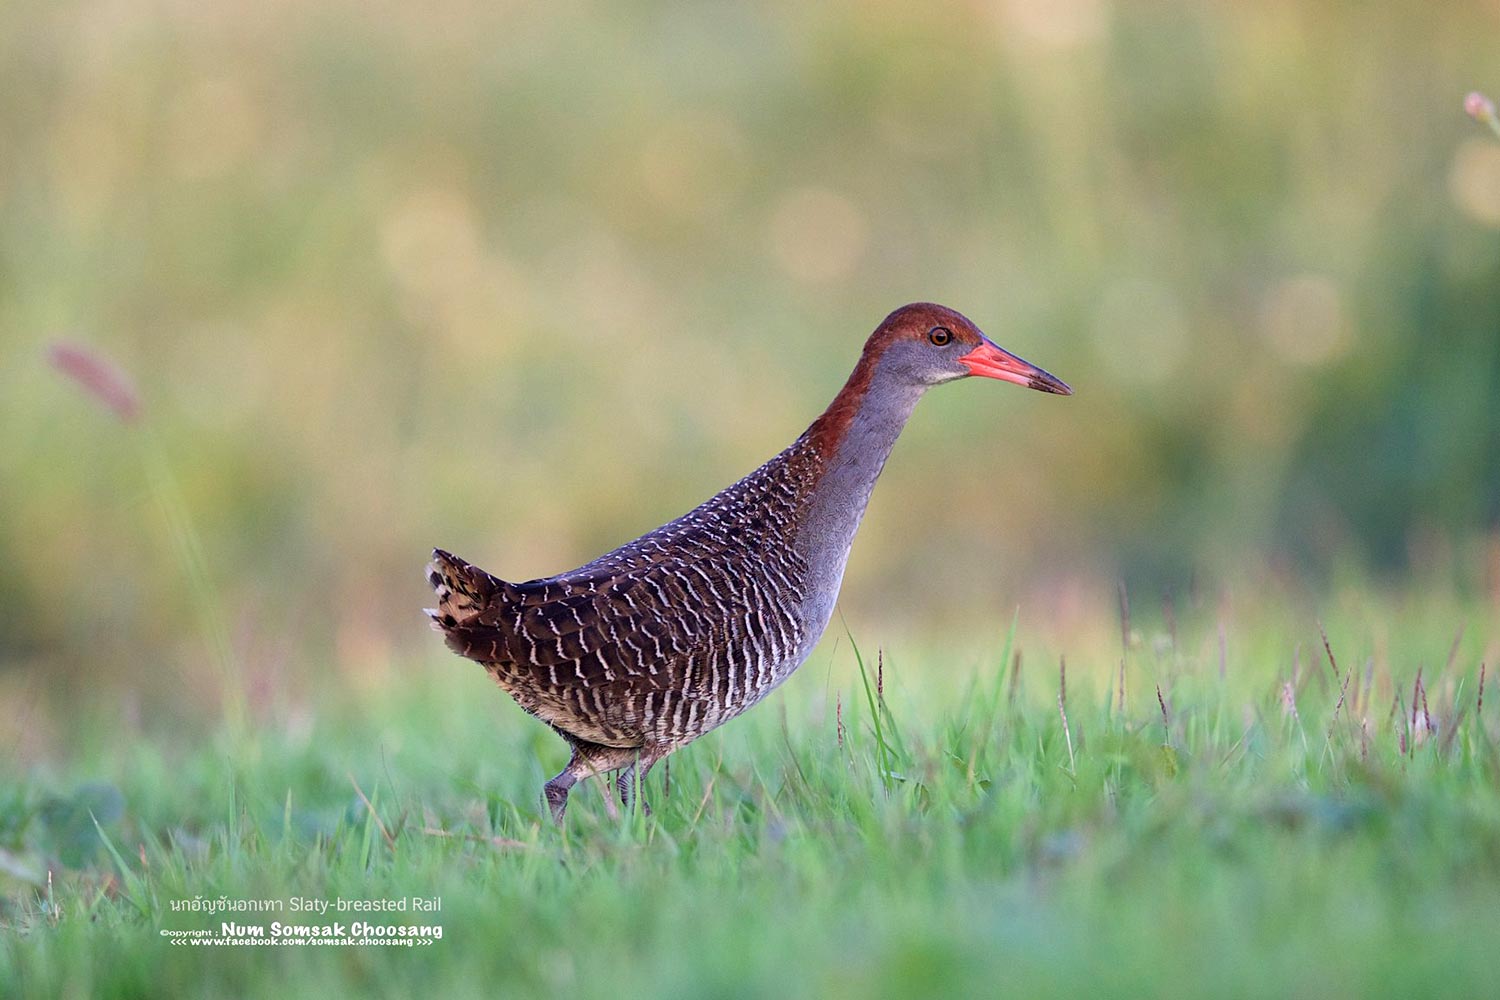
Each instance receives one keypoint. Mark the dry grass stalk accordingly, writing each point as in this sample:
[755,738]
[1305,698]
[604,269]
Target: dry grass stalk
[500,842]
[390,841]
[1329,650]
[1122,687]
[1343,693]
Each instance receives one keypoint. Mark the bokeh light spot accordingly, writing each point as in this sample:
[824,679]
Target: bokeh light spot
[817,235]
[212,126]
[1058,24]
[1302,320]
[430,242]
[1474,181]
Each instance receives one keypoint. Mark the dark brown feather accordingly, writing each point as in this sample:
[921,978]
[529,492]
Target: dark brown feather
[696,614]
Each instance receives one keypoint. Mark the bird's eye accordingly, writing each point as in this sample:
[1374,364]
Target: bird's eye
[940,335]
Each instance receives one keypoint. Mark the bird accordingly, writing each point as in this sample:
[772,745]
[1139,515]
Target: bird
[650,646]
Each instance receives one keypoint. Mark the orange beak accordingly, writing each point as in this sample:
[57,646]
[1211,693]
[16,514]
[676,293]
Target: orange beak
[991,361]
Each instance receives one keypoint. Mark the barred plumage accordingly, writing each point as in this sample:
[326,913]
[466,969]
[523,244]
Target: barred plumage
[650,646]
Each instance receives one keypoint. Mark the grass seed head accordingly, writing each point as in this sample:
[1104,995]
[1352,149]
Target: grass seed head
[1289,700]
[97,376]
[1482,110]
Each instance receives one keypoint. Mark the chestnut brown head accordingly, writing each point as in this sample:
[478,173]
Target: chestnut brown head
[930,344]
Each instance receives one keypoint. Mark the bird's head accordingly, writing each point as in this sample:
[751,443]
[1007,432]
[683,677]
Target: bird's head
[929,344]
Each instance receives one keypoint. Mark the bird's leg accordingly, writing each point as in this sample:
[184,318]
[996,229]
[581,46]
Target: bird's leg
[633,776]
[589,759]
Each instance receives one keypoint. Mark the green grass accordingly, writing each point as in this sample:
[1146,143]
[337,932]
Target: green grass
[905,822]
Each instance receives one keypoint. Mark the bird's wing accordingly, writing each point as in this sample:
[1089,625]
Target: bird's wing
[625,628]
[671,597]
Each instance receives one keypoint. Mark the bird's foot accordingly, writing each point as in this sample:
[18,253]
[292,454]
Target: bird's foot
[556,794]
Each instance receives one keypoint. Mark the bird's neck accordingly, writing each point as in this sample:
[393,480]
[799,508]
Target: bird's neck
[861,434]
[853,438]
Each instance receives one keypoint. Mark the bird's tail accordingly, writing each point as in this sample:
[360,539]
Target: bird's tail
[463,591]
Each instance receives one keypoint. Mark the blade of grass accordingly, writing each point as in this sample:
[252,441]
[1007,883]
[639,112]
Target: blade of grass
[134,892]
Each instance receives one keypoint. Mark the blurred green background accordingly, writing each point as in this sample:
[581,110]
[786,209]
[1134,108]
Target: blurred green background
[526,280]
